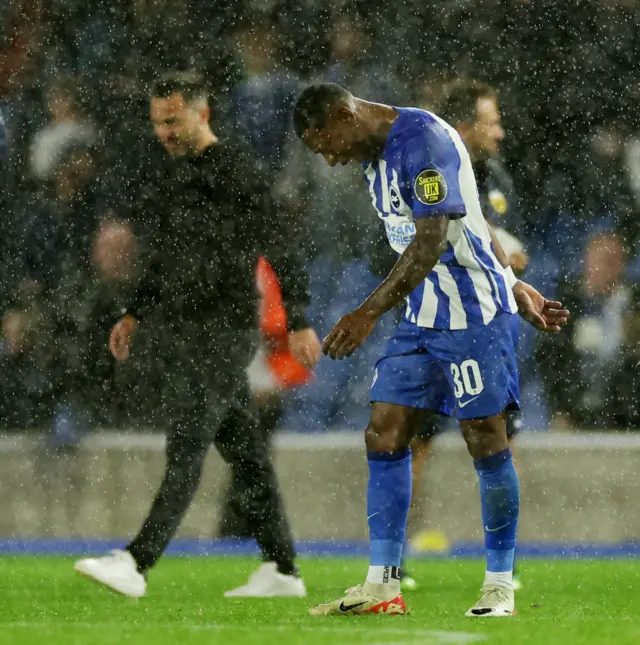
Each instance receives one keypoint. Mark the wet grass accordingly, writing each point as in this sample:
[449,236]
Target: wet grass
[43,602]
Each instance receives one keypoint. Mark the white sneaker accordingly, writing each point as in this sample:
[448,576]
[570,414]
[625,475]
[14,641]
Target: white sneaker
[118,571]
[268,582]
[496,602]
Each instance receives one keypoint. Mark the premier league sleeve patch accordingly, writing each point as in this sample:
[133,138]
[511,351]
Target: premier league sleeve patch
[430,187]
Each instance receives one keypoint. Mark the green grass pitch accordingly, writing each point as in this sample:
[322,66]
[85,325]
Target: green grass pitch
[44,602]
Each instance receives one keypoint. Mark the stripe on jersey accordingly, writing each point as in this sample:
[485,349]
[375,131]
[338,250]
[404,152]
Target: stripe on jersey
[465,285]
[384,186]
[489,266]
[457,314]
[370,174]
[466,257]
[492,263]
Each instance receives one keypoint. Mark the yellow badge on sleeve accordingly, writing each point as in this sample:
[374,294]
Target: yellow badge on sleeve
[430,187]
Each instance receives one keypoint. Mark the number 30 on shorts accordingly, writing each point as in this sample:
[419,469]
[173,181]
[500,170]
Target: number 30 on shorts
[467,378]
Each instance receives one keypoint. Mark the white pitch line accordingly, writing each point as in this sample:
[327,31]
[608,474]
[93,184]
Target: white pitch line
[439,637]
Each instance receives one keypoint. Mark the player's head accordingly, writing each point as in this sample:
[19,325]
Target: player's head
[472,109]
[180,111]
[326,119]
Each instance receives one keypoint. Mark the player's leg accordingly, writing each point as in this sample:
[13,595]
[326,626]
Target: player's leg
[500,502]
[514,424]
[406,385]
[421,449]
[484,377]
[240,442]
[388,436]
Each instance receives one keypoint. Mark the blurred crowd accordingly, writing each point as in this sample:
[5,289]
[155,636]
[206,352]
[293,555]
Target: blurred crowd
[74,84]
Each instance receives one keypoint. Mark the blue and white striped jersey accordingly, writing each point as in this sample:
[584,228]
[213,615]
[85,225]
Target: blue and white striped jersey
[425,171]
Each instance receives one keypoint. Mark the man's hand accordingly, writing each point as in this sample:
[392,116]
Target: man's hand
[121,336]
[348,334]
[304,346]
[543,314]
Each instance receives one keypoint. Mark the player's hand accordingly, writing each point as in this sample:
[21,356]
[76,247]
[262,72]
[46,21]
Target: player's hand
[304,346]
[543,314]
[348,334]
[121,337]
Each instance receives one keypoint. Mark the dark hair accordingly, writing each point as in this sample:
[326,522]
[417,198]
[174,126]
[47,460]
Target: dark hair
[190,85]
[314,103]
[461,100]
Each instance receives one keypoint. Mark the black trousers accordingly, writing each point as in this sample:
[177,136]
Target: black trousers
[234,521]
[207,400]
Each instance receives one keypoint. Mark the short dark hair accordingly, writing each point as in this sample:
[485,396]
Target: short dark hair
[314,104]
[461,100]
[191,85]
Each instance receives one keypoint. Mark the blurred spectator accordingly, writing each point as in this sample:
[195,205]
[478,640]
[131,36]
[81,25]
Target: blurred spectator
[61,319]
[263,101]
[67,126]
[577,369]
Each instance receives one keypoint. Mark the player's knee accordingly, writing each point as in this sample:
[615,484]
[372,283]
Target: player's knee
[387,436]
[485,437]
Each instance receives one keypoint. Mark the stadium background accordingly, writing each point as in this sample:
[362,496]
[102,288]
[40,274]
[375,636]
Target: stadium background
[74,78]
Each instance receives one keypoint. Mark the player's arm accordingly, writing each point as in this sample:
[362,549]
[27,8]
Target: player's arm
[413,266]
[430,165]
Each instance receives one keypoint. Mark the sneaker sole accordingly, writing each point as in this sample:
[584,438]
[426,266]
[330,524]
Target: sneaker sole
[470,615]
[105,585]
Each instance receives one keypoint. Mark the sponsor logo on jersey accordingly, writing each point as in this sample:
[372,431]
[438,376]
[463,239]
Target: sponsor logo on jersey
[430,187]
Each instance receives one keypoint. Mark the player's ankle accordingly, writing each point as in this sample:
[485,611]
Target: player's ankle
[500,578]
[383,582]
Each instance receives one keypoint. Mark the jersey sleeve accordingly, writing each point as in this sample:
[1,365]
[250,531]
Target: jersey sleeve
[432,164]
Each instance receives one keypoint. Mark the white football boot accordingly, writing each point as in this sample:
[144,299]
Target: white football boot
[356,602]
[267,582]
[118,571]
[496,601]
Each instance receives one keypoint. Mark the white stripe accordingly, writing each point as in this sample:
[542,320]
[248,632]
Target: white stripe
[428,306]
[454,638]
[370,174]
[458,316]
[384,186]
[465,256]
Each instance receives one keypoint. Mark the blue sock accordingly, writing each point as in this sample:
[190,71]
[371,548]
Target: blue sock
[388,501]
[500,499]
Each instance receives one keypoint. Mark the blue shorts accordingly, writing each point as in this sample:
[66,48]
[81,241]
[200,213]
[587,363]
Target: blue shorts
[470,373]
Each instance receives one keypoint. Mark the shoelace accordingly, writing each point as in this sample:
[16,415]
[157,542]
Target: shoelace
[492,596]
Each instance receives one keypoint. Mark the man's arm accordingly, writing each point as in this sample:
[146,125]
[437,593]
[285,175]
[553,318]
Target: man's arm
[410,270]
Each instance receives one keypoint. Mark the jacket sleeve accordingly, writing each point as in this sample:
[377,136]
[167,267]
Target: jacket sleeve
[146,223]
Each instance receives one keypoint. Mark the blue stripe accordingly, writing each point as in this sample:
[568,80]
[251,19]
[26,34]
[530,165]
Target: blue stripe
[443,313]
[486,270]
[229,547]
[490,264]
[466,288]
[415,300]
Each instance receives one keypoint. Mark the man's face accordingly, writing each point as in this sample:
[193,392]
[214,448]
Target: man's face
[339,142]
[483,136]
[177,123]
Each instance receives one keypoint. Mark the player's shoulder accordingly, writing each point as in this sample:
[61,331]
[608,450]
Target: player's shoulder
[421,131]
